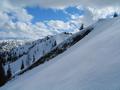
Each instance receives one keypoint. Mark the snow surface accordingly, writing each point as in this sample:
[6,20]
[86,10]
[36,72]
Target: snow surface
[91,64]
[62,37]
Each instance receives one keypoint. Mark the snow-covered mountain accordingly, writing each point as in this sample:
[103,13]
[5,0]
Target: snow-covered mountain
[17,52]
[91,64]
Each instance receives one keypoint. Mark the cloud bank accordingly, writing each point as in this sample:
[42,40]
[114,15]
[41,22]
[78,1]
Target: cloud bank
[65,3]
[17,22]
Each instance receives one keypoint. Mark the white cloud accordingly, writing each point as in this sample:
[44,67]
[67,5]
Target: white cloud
[99,8]
[87,18]
[41,25]
[4,18]
[18,12]
[23,30]
[8,26]
[22,15]
[22,27]
[103,12]
[65,3]
[57,24]
[94,10]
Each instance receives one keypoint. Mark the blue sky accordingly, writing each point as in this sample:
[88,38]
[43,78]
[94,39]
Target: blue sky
[46,14]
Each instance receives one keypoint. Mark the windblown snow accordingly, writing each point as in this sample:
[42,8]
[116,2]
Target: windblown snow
[91,64]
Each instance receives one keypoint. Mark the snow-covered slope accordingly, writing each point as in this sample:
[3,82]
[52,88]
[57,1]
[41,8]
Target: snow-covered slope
[16,52]
[27,54]
[91,64]
[62,37]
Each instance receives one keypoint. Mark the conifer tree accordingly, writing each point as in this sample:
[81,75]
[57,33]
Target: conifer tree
[33,58]
[9,73]
[115,15]
[22,65]
[2,74]
[82,27]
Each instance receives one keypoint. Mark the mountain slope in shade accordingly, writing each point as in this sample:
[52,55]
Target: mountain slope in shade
[91,64]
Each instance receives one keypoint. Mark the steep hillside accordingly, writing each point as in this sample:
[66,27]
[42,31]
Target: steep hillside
[15,53]
[91,64]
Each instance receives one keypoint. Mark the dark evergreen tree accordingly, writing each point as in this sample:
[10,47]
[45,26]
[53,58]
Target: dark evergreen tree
[2,74]
[9,73]
[28,60]
[22,65]
[48,37]
[115,15]
[33,58]
[82,27]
